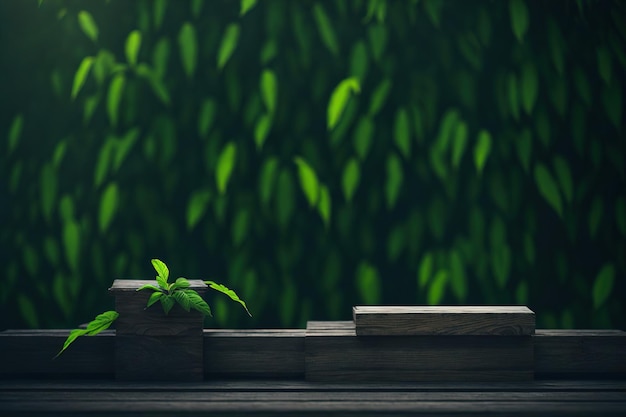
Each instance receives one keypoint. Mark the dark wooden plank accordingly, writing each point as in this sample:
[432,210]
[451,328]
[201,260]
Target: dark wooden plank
[300,398]
[333,352]
[254,353]
[30,353]
[131,285]
[580,353]
[443,320]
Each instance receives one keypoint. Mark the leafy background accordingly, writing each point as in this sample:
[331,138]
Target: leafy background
[314,155]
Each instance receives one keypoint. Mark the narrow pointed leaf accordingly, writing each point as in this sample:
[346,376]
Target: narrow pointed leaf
[230,293]
[101,322]
[324,205]
[529,87]
[339,100]
[246,5]
[188,46]
[133,44]
[197,206]
[351,177]
[161,269]
[363,135]
[548,188]
[108,206]
[603,285]
[459,141]
[519,18]
[228,45]
[74,334]
[379,97]
[368,283]
[88,25]
[267,180]
[308,181]
[15,132]
[225,166]
[437,288]
[425,271]
[564,176]
[81,75]
[394,180]
[261,130]
[116,89]
[402,132]
[482,150]
[325,28]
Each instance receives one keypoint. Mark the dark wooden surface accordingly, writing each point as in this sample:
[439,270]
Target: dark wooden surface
[579,354]
[333,352]
[298,398]
[444,320]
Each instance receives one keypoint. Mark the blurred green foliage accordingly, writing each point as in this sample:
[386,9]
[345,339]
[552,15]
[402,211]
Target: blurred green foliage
[315,155]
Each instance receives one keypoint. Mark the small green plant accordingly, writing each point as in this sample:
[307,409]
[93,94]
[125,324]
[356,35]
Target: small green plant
[167,293]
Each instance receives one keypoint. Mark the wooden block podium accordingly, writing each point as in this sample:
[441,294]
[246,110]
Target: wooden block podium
[423,344]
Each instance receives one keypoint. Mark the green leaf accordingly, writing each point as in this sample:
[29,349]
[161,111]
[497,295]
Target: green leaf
[402,132]
[394,180]
[339,100]
[308,181]
[160,57]
[324,205]
[197,303]
[154,297]
[603,285]
[183,299]
[246,5]
[368,283]
[196,8]
[230,293]
[519,18]
[563,174]
[71,242]
[325,29]
[458,281]
[284,197]
[123,147]
[159,12]
[269,90]
[133,43]
[359,61]
[501,263]
[267,180]
[108,206]
[425,270]
[524,145]
[116,89]
[458,144]
[378,40]
[363,135]
[181,283]
[379,96]
[188,46]
[97,325]
[197,206]
[149,287]
[167,302]
[163,272]
[228,45]
[548,188]
[101,322]
[261,130]
[74,334]
[206,116]
[225,166]
[241,223]
[351,176]
[437,288]
[595,216]
[482,150]
[28,311]
[396,241]
[15,132]
[529,87]
[81,75]
[88,25]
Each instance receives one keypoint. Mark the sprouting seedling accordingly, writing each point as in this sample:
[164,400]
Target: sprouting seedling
[167,293]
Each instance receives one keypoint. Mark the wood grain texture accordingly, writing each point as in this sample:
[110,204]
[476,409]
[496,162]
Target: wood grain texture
[297,398]
[254,353]
[444,320]
[570,353]
[159,358]
[335,353]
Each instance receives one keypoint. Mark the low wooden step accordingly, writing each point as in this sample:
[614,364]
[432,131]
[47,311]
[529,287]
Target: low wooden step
[444,320]
[334,352]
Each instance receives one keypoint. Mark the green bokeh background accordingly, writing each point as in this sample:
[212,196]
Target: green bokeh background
[314,155]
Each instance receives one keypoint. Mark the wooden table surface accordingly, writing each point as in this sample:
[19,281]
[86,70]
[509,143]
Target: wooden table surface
[299,398]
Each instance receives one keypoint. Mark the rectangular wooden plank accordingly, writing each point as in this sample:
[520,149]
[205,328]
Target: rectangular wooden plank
[580,353]
[254,353]
[444,320]
[334,352]
[30,353]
